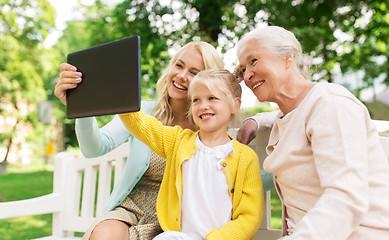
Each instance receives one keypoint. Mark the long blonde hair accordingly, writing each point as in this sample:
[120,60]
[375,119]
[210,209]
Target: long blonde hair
[211,59]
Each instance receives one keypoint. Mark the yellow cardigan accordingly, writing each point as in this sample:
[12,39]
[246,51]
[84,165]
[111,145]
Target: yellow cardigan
[177,145]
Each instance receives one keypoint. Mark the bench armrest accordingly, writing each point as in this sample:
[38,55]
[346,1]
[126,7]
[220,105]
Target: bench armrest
[40,205]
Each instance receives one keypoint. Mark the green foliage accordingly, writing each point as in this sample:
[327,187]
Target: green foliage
[261,107]
[19,76]
[21,70]
[106,24]
[378,110]
[368,49]
[211,18]
[27,21]
[23,26]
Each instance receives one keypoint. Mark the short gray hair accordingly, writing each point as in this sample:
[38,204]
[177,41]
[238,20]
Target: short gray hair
[283,43]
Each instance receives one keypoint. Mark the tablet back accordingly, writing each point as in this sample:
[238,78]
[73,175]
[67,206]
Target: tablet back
[110,79]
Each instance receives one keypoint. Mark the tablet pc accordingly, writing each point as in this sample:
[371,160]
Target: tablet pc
[110,79]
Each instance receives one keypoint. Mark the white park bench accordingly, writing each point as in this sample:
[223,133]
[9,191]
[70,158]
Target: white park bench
[82,186]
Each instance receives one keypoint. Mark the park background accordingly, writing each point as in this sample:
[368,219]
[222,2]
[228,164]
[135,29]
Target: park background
[348,41]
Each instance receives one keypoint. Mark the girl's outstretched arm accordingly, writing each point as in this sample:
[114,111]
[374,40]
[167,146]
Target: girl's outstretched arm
[151,132]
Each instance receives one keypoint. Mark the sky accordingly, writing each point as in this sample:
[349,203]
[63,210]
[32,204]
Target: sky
[64,10]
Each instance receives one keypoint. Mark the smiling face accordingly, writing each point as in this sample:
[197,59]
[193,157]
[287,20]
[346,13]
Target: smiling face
[187,65]
[211,110]
[263,71]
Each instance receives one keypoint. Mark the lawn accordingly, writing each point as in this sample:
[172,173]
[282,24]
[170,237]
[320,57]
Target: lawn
[18,186]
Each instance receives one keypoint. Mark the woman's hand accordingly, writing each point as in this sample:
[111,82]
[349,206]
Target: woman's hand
[248,131]
[69,78]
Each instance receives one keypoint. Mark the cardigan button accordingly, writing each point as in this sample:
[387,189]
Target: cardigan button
[224,164]
[232,190]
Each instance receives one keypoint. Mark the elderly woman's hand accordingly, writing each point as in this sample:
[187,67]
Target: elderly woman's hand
[248,131]
[69,78]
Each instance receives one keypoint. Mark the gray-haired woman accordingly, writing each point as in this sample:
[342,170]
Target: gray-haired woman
[330,170]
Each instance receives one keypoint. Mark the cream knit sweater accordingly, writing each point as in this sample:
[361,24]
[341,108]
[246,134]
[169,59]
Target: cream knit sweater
[330,170]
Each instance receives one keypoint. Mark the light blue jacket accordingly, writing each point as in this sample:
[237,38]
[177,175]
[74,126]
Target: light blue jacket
[95,142]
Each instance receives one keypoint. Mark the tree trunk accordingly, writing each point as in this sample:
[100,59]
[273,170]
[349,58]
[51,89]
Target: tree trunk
[4,163]
[3,167]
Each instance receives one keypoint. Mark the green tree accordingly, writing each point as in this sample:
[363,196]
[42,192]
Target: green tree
[352,34]
[28,22]
[349,33]
[23,26]
[368,49]
[132,18]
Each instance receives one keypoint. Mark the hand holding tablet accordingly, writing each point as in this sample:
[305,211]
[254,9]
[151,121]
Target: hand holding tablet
[110,79]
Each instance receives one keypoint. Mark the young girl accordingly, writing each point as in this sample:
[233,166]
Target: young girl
[211,187]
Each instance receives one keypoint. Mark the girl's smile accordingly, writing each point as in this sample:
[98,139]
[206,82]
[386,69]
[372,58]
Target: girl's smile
[210,109]
[206,116]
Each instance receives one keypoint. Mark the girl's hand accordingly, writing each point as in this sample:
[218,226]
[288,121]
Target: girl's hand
[69,78]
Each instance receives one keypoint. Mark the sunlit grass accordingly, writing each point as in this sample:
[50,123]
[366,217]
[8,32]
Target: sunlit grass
[276,211]
[19,186]
[28,227]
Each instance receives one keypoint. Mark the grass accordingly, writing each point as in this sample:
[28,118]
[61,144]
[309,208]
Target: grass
[23,185]
[18,186]
[276,210]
